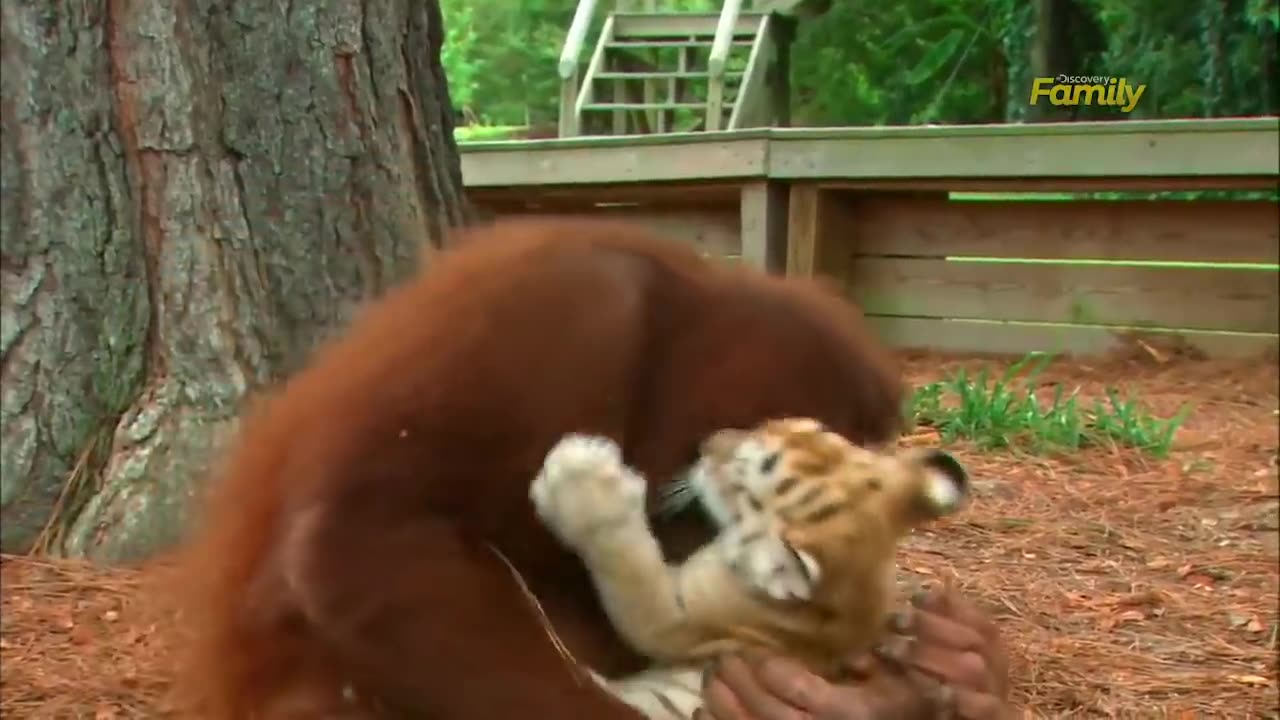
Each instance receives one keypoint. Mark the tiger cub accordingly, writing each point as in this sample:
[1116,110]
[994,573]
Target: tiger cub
[803,563]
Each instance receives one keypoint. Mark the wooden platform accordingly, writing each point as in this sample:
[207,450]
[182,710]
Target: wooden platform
[877,209]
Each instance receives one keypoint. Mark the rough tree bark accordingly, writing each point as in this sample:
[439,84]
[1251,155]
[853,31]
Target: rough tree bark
[194,192]
[1067,40]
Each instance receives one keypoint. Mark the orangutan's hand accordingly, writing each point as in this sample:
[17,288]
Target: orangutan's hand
[942,659]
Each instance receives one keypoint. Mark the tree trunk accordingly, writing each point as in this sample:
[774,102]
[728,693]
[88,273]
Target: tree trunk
[194,193]
[1067,40]
[1049,54]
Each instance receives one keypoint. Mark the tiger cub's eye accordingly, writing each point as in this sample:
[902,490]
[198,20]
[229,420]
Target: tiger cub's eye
[767,465]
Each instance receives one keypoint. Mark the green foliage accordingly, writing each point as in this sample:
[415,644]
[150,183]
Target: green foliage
[898,63]
[1211,59]
[500,57]
[916,61]
[482,133]
[1003,414]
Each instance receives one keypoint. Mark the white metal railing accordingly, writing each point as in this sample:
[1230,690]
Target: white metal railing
[568,67]
[751,109]
[716,63]
[576,88]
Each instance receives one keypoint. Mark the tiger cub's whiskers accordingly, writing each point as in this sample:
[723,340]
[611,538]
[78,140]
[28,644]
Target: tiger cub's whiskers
[676,496]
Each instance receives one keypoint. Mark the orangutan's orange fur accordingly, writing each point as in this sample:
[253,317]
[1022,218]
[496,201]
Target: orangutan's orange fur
[349,559]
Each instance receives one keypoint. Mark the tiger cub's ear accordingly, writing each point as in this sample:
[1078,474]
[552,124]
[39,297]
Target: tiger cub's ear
[944,482]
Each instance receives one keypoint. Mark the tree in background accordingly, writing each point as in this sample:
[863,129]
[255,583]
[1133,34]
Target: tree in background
[501,57]
[963,61]
[1068,40]
[193,195]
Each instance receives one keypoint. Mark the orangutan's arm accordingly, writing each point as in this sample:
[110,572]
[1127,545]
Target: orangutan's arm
[445,633]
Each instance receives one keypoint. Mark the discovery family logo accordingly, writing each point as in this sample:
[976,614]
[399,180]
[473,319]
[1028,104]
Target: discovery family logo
[1087,90]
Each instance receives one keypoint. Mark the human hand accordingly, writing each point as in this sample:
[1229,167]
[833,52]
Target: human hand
[754,687]
[943,658]
[947,638]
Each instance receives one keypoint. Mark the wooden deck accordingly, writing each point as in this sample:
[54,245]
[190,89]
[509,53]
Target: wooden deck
[874,208]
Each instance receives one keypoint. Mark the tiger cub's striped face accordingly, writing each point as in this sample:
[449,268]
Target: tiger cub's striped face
[819,487]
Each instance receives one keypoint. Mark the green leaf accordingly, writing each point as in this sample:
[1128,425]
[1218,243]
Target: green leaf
[936,58]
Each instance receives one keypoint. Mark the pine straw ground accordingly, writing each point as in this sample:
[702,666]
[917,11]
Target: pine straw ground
[1126,587]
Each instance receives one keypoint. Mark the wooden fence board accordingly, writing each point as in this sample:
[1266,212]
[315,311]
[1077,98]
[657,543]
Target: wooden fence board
[1110,183]
[713,231]
[1171,297]
[1014,339]
[1101,152]
[570,163]
[1192,231]
[582,198]
[1157,148]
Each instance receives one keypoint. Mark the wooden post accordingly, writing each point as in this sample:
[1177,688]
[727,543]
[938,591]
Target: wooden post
[568,121]
[652,115]
[784,33]
[814,244]
[764,225]
[802,229]
[619,86]
[620,95]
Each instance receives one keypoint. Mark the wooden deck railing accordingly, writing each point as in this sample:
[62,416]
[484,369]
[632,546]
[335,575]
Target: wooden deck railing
[892,215]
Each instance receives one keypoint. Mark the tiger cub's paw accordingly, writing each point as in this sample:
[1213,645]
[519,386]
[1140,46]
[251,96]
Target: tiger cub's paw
[766,564]
[584,489]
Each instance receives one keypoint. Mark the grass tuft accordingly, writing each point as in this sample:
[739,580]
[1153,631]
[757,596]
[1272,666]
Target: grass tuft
[482,133]
[1006,412]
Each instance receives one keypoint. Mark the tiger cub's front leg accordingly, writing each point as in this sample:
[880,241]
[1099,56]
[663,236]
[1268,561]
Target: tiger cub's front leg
[595,504]
[588,498]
